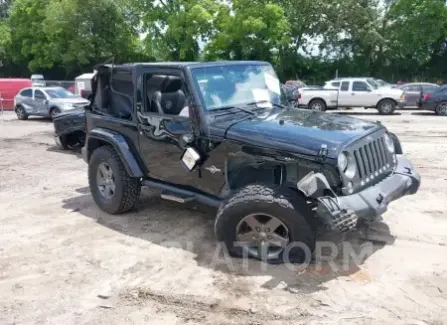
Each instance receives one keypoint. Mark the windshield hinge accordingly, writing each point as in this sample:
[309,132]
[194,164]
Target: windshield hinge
[323,152]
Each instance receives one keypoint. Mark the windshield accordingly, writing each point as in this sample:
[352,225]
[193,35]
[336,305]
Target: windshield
[382,83]
[237,85]
[59,93]
[373,83]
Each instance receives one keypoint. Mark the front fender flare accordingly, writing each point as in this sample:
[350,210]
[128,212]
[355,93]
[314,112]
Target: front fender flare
[119,143]
[397,144]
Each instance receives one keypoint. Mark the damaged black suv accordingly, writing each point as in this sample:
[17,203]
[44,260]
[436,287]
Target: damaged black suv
[217,133]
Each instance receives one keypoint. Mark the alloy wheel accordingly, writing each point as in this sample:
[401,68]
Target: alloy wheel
[105,181]
[54,113]
[387,107]
[262,236]
[19,113]
[442,110]
[317,107]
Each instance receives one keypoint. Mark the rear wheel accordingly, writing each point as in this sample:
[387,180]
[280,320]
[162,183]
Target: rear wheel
[113,190]
[317,105]
[386,107]
[269,223]
[441,109]
[21,113]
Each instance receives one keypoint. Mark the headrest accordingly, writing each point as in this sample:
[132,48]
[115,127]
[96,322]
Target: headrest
[173,102]
[173,84]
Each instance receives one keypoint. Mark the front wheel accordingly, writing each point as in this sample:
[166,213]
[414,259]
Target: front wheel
[113,190]
[441,109]
[269,223]
[54,112]
[386,107]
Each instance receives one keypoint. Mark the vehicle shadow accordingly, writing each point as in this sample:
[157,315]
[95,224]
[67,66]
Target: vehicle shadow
[190,227]
[38,119]
[76,151]
[424,113]
[366,112]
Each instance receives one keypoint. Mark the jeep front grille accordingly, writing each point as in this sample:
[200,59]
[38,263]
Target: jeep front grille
[372,159]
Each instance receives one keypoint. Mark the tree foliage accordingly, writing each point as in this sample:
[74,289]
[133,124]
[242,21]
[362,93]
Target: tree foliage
[255,30]
[308,39]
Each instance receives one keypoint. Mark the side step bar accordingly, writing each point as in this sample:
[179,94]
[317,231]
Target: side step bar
[182,195]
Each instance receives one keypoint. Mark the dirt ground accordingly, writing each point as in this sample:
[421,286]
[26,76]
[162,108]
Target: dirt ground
[63,261]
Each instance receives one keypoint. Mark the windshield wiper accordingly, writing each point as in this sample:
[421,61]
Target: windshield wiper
[265,102]
[239,108]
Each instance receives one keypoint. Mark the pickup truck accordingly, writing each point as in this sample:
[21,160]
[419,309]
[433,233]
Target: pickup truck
[354,92]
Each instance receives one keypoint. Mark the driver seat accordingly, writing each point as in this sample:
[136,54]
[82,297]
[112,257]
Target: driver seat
[172,100]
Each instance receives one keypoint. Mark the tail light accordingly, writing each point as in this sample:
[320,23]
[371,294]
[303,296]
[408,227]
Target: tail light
[299,95]
[83,93]
[427,96]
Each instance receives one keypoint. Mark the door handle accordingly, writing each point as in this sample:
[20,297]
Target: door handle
[353,94]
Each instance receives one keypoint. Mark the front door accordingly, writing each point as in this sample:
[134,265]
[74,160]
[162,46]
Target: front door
[164,124]
[362,95]
[40,102]
[344,94]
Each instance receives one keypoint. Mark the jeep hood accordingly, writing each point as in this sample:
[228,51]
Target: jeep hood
[299,131]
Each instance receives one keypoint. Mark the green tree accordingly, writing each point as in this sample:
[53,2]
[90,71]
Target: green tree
[255,30]
[82,32]
[413,30]
[176,28]
[5,6]
[29,43]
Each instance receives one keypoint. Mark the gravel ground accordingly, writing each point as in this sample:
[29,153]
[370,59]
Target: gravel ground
[62,261]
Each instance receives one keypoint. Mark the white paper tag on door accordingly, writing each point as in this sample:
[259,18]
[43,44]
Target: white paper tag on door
[262,98]
[272,83]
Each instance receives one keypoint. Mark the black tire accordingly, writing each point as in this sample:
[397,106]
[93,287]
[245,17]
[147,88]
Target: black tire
[63,144]
[284,204]
[386,107]
[127,189]
[21,113]
[54,112]
[441,109]
[317,105]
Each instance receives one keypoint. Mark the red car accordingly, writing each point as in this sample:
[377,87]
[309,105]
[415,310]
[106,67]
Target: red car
[9,88]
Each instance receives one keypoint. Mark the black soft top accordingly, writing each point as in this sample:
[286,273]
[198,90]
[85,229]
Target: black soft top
[134,65]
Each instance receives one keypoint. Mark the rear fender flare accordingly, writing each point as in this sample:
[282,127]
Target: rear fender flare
[99,137]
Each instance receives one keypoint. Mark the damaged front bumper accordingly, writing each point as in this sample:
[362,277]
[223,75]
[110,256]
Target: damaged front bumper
[342,213]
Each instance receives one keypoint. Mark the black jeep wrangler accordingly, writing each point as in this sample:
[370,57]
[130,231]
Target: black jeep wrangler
[216,133]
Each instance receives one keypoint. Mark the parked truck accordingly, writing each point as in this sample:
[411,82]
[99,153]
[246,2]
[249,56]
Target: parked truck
[353,92]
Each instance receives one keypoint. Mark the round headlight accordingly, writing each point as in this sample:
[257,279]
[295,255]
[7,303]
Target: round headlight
[342,161]
[389,143]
